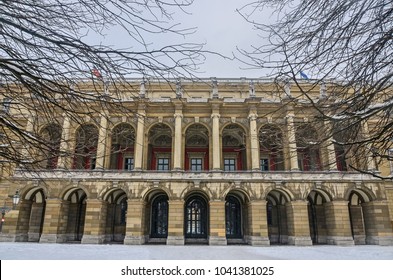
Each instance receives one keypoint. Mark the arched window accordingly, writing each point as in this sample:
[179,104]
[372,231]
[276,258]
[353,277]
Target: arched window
[160,148]
[197,148]
[271,148]
[234,148]
[196,218]
[86,147]
[159,223]
[122,150]
[50,148]
[233,220]
[308,148]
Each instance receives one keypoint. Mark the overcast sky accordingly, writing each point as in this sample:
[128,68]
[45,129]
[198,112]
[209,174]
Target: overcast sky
[220,27]
[223,29]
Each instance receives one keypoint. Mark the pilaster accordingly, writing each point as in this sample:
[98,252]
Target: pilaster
[298,223]
[177,154]
[257,220]
[175,223]
[217,234]
[64,160]
[338,223]
[55,221]
[216,140]
[140,138]
[377,223]
[254,141]
[102,138]
[95,219]
[135,225]
[291,139]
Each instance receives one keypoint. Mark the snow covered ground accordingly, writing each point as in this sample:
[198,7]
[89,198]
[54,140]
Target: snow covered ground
[36,251]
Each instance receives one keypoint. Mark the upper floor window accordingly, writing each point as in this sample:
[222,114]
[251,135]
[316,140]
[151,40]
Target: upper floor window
[6,105]
[229,164]
[163,164]
[196,164]
[128,163]
[264,162]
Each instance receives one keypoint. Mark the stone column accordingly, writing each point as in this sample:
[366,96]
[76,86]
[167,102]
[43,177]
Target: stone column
[216,141]
[370,160]
[217,233]
[140,138]
[377,223]
[102,138]
[338,223]
[16,224]
[95,221]
[64,160]
[291,137]
[135,224]
[177,159]
[55,222]
[329,149]
[27,155]
[175,223]
[257,221]
[254,142]
[298,224]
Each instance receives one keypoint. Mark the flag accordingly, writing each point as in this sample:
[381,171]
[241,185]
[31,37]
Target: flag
[96,73]
[303,75]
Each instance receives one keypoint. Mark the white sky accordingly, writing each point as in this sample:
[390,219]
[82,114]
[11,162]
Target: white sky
[223,29]
[220,27]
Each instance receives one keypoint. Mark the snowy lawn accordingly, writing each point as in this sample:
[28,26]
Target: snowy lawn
[36,251]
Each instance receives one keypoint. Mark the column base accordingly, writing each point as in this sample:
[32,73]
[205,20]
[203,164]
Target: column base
[93,239]
[299,240]
[258,241]
[379,240]
[340,240]
[175,240]
[360,239]
[134,240]
[33,237]
[6,237]
[53,238]
[217,241]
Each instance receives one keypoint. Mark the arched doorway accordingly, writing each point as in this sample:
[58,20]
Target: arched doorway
[76,214]
[317,217]
[159,216]
[356,215]
[36,218]
[196,218]
[233,217]
[115,230]
[277,216]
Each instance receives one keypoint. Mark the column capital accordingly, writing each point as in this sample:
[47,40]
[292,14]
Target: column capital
[253,116]
[178,115]
[215,115]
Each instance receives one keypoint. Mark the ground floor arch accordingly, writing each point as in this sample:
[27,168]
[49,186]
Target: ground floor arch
[75,209]
[116,209]
[277,216]
[196,218]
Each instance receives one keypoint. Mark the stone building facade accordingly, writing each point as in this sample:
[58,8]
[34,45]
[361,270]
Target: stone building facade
[212,162]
